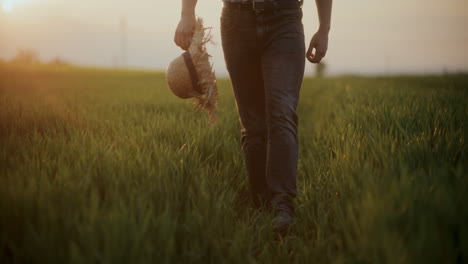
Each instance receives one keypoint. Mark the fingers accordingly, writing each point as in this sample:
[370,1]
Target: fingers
[183,38]
[176,38]
[317,57]
[186,43]
[310,55]
[187,39]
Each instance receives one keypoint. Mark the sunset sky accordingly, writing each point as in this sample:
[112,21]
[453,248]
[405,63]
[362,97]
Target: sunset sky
[367,36]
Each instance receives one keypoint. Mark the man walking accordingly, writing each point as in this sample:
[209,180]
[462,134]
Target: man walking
[264,50]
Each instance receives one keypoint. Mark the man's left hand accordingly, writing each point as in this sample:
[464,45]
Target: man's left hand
[318,47]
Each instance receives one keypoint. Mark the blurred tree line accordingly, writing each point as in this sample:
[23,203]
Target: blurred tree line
[28,56]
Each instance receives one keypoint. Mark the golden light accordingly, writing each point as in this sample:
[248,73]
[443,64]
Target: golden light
[7,6]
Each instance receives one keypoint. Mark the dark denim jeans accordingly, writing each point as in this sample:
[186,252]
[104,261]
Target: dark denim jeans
[265,58]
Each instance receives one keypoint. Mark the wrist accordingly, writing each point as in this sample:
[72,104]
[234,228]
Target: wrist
[324,29]
[188,15]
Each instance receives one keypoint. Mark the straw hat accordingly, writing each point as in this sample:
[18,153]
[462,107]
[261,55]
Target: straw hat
[191,75]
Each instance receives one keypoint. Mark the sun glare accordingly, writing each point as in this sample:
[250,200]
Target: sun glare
[7,6]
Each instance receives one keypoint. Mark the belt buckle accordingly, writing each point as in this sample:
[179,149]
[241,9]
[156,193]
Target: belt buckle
[258,9]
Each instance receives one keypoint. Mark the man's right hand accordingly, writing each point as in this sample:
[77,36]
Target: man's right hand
[184,32]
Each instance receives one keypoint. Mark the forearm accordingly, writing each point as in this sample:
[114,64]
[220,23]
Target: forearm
[324,8]
[188,8]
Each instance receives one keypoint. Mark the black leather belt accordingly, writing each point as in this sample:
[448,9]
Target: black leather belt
[262,5]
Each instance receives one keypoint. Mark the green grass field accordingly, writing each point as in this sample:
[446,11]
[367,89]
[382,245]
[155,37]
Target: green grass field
[101,166]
